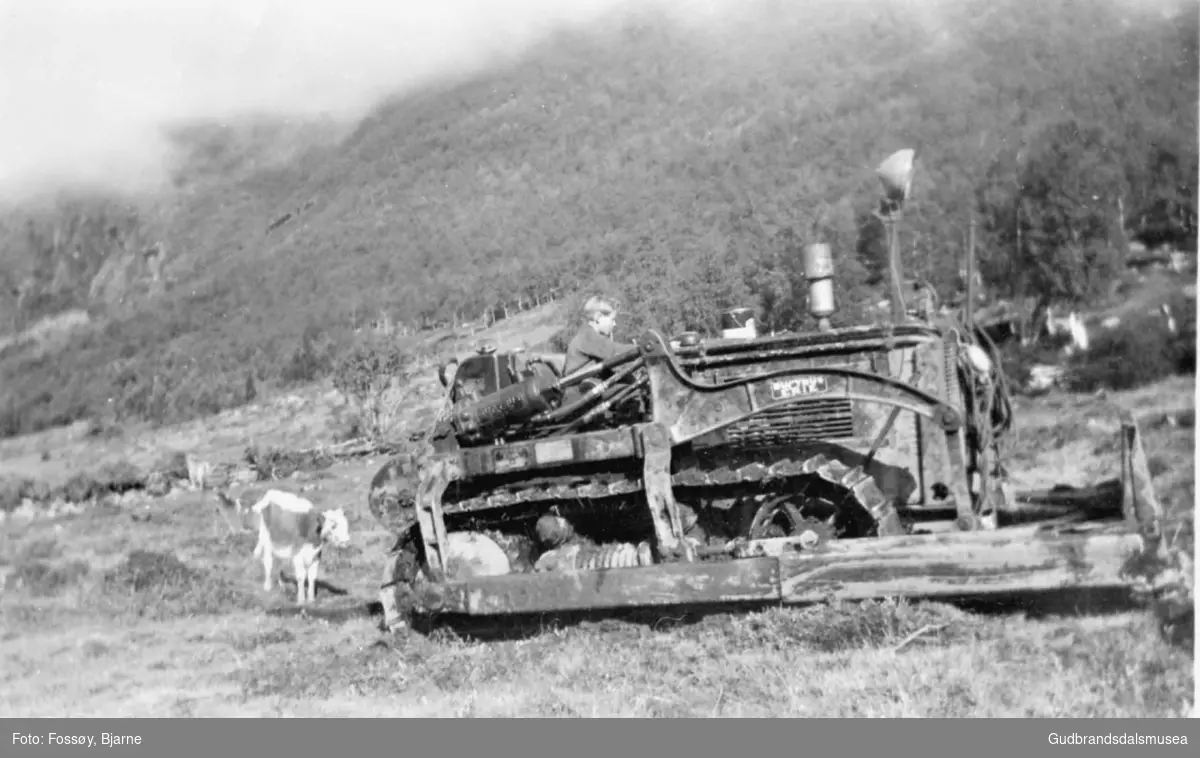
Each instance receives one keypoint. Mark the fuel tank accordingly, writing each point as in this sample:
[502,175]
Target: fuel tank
[515,403]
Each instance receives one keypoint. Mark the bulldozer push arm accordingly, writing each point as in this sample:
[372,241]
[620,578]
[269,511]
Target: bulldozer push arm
[979,558]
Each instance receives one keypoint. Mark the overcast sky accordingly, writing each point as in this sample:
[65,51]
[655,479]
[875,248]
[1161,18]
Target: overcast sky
[84,84]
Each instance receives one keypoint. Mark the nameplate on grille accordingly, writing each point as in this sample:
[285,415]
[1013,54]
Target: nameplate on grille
[798,386]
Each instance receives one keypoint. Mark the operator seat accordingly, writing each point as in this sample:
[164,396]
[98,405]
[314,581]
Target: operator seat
[554,361]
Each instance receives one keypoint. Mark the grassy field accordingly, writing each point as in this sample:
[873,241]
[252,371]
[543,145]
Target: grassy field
[152,608]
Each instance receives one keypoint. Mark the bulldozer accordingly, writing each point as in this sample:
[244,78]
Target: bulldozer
[839,462]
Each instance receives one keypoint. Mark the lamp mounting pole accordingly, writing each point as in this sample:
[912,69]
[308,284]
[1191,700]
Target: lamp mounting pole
[895,175]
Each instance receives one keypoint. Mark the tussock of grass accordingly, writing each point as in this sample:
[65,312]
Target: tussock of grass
[842,626]
[146,570]
[34,549]
[145,585]
[38,568]
[446,663]
[41,578]
[155,586]
[261,640]
[1165,583]
[775,663]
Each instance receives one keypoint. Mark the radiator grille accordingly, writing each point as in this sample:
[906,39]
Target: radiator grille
[815,419]
[953,391]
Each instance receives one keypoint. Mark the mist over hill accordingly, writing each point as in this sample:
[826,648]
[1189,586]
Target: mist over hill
[678,162]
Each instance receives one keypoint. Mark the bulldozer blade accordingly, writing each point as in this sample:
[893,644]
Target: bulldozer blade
[959,564]
[1130,497]
[1098,502]
[1139,501]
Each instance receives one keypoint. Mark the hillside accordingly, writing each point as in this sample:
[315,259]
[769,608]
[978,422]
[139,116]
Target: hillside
[303,418]
[678,167]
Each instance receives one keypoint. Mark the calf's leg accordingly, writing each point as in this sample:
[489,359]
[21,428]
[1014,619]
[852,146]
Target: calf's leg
[301,579]
[268,564]
[312,579]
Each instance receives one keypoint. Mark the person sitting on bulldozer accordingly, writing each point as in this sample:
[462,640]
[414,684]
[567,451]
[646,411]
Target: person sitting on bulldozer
[594,343]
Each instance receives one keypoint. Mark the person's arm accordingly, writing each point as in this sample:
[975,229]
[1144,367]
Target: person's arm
[601,348]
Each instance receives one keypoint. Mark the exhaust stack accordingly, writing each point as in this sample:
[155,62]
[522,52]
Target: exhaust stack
[738,324]
[818,271]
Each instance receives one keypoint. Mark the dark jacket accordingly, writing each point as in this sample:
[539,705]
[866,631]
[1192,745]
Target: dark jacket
[589,347]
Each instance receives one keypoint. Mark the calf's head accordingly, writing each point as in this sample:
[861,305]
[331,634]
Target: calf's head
[333,527]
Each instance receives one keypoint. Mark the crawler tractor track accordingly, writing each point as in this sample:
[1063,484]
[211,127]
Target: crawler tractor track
[391,500]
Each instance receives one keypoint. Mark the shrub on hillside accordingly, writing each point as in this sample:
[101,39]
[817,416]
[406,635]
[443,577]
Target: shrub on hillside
[373,377]
[10,417]
[10,495]
[1137,352]
[120,476]
[173,465]
[311,359]
[277,463]
[36,490]
[80,487]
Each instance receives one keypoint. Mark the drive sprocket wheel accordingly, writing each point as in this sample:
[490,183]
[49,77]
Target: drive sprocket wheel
[782,516]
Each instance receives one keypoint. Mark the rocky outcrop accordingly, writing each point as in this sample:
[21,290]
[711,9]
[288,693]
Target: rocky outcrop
[128,273]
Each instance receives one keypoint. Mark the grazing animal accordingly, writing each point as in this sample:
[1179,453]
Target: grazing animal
[1169,318]
[198,471]
[291,528]
[1072,326]
[1043,377]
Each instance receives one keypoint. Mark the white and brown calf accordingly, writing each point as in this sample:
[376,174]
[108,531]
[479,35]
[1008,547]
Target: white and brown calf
[291,528]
